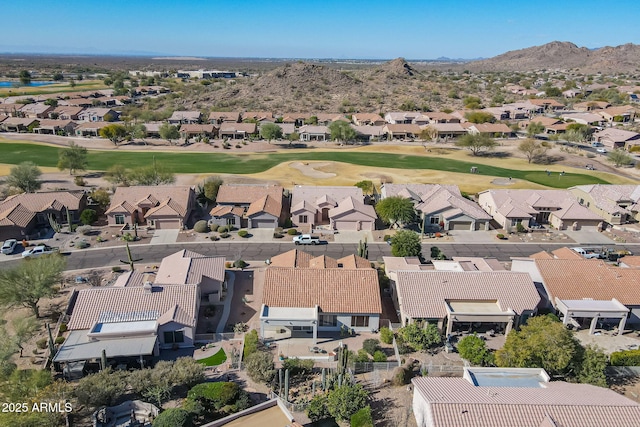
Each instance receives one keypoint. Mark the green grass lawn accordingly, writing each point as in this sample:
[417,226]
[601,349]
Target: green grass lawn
[42,155]
[215,360]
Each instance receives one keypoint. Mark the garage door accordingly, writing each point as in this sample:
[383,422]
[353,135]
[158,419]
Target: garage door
[463,225]
[346,225]
[263,223]
[167,224]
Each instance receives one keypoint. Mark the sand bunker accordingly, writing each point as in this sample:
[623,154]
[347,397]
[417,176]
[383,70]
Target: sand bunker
[504,181]
[308,169]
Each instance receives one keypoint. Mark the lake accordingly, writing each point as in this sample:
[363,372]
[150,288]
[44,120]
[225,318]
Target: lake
[5,83]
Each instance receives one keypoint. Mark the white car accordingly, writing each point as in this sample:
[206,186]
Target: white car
[601,150]
[9,246]
[36,251]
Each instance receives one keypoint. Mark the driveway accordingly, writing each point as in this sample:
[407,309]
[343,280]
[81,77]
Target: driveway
[163,237]
[588,237]
[349,236]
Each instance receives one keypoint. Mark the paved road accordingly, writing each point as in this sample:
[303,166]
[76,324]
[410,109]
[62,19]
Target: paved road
[153,254]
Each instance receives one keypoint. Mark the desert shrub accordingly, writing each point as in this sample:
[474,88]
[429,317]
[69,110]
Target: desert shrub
[223,228]
[379,356]
[173,417]
[128,237]
[635,149]
[84,229]
[288,223]
[220,397]
[346,400]
[474,349]
[625,358]
[317,409]
[213,227]
[371,345]
[292,232]
[250,343]
[362,418]
[59,340]
[81,244]
[362,356]
[500,236]
[228,264]
[224,235]
[201,226]
[298,366]
[79,181]
[41,343]
[260,367]
[520,228]
[386,336]
[116,269]
[100,389]
[401,376]
[243,233]
[214,238]
[88,216]
[239,263]
[591,156]
[420,337]
[63,328]
[278,235]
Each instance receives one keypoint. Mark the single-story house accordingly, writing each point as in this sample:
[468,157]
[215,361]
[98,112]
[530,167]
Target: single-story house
[435,117]
[401,117]
[264,212]
[352,214]
[258,116]
[243,195]
[584,118]
[22,214]
[618,114]
[295,258]
[547,104]
[367,119]
[591,105]
[368,133]
[312,205]
[448,297]
[314,133]
[446,130]
[98,115]
[161,207]
[185,117]
[237,130]
[491,129]
[286,128]
[36,110]
[248,205]
[402,131]
[523,397]
[19,124]
[192,130]
[89,129]
[219,117]
[55,127]
[222,215]
[325,119]
[63,112]
[613,138]
[615,204]
[296,119]
[303,301]
[558,208]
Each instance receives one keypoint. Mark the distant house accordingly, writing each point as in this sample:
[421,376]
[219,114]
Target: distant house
[584,118]
[89,129]
[615,204]
[491,129]
[219,117]
[237,130]
[18,124]
[558,208]
[435,117]
[368,133]
[55,127]
[447,130]
[547,104]
[185,117]
[367,119]
[296,119]
[591,105]
[325,119]
[321,296]
[441,205]
[36,111]
[401,117]
[401,131]
[618,114]
[258,116]
[336,208]
[98,115]
[287,129]
[63,112]
[161,207]
[194,130]
[613,138]
[23,214]
[314,133]
[523,397]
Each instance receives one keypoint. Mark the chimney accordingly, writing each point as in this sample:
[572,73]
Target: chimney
[147,288]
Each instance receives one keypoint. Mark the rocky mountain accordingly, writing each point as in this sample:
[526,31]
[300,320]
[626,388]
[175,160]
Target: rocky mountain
[564,55]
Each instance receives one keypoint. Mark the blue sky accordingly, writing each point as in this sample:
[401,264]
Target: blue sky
[422,29]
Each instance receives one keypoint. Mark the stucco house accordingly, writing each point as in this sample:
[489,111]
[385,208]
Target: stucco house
[613,138]
[314,133]
[321,294]
[237,130]
[615,204]
[248,205]
[185,117]
[161,207]
[558,208]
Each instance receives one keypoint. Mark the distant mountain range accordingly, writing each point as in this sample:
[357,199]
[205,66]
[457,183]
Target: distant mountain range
[564,55]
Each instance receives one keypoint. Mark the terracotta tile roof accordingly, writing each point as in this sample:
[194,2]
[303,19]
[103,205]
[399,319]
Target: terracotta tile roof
[566,253]
[323,261]
[334,290]
[313,194]
[258,115]
[424,293]
[292,258]
[350,205]
[354,261]
[541,255]
[266,204]
[222,210]
[92,304]
[245,194]
[38,202]
[230,116]
[185,115]
[574,279]
[187,267]
[17,215]
[607,197]
[631,261]
[454,402]
[197,128]
[177,198]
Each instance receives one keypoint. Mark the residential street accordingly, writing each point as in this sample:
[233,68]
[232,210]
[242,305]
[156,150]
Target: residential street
[150,254]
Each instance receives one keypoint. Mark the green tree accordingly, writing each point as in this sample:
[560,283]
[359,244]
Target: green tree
[169,132]
[553,91]
[406,243]
[479,117]
[313,120]
[114,133]
[366,186]
[476,143]
[88,216]
[542,343]
[317,409]
[250,343]
[342,131]
[139,131]
[101,197]
[420,336]
[534,128]
[293,136]
[474,349]
[211,186]
[25,77]
[592,366]
[577,132]
[532,149]
[73,158]
[260,366]
[152,175]
[219,398]
[173,417]
[24,177]
[344,401]
[270,131]
[51,102]
[619,157]
[118,175]
[102,388]
[58,77]
[396,210]
[472,102]
[30,281]
[362,418]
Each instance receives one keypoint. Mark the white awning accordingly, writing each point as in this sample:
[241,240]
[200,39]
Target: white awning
[78,347]
[592,308]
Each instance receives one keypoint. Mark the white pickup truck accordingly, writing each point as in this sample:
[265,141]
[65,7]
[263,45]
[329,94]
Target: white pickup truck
[36,251]
[589,253]
[306,239]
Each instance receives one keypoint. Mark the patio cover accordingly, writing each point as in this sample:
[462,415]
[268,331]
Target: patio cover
[78,347]
[594,309]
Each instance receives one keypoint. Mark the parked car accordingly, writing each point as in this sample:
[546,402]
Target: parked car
[601,150]
[9,246]
[36,251]
[589,253]
[306,239]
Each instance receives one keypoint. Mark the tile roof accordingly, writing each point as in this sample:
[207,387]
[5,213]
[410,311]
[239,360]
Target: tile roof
[615,135]
[238,128]
[266,204]
[16,215]
[566,253]
[39,202]
[185,115]
[574,279]
[423,293]
[197,128]
[245,194]
[232,116]
[177,198]
[323,261]
[94,303]
[349,205]
[295,258]
[187,267]
[334,290]
[222,210]
[292,258]
[312,193]
[607,197]
[454,402]
[631,261]
[354,261]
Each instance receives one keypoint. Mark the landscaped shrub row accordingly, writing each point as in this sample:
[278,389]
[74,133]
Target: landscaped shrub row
[625,358]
